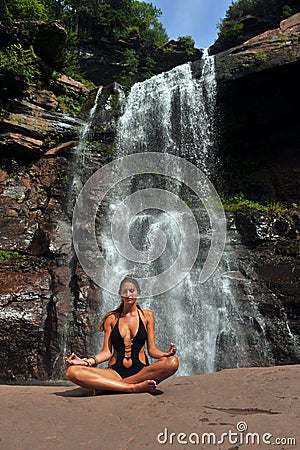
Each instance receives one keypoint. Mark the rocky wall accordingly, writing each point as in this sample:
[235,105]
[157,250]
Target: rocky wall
[258,97]
[49,306]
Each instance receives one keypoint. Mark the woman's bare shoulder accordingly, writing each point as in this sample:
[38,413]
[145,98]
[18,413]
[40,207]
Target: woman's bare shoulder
[148,314]
[110,321]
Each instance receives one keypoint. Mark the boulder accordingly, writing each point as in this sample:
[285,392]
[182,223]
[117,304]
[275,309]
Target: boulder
[50,39]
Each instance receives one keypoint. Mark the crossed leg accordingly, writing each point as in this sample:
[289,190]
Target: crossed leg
[160,370]
[108,379]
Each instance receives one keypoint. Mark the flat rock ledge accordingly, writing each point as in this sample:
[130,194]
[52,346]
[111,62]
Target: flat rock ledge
[249,408]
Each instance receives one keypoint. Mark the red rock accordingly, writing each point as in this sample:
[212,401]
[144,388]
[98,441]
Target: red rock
[291,23]
[3,176]
[45,99]
[72,84]
[60,148]
[21,142]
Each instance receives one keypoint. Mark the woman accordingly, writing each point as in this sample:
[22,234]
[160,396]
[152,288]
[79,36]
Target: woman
[126,330]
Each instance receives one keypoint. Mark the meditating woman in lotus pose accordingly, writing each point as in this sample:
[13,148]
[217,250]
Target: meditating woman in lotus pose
[126,330]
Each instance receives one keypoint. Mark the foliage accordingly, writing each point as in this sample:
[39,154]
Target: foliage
[128,76]
[68,104]
[67,61]
[20,64]
[27,10]
[147,67]
[272,10]
[6,255]
[230,29]
[287,11]
[145,19]
[186,44]
[239,202]
[85,20]
[68,100]
[113,19]
[260,57]
[10,165]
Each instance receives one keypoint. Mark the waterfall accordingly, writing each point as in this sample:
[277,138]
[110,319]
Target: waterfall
[171,115]
[80,153]
[172,112]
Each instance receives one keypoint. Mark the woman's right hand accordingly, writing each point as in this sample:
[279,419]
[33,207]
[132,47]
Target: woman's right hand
[172,350]
[74,360]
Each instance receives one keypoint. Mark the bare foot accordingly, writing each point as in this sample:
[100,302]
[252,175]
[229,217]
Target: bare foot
[144,386]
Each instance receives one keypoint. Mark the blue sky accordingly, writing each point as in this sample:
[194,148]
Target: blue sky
[196,18]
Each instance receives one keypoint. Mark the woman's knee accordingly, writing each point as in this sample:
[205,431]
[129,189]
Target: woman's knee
[172,364]
[71,373]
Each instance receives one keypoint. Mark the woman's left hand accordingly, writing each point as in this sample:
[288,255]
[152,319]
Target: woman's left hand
[74,360]
[172,350]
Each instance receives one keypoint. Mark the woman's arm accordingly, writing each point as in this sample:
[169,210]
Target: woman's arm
[153,351]
[106,351]
[103,355]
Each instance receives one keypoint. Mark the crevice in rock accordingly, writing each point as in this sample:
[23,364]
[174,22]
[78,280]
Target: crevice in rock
[245,411]
[50,336]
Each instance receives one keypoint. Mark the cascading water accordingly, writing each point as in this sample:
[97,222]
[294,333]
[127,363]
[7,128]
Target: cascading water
[80,154]
[174,113]
[171,113]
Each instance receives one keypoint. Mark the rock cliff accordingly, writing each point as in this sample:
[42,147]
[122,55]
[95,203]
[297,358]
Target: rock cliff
[258,98]
[259,152]
[49,307]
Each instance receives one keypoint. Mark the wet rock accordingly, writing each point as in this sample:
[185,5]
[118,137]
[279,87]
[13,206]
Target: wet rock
[42,293]
[272,48]
[254,26]
[28,129]
[66,146]
[25,146]
[258,226]
[24,296]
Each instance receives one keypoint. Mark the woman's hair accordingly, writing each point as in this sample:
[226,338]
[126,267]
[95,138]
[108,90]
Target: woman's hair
[118,311]
[129,280]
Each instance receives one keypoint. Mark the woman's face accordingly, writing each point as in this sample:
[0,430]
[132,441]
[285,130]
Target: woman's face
[129,291]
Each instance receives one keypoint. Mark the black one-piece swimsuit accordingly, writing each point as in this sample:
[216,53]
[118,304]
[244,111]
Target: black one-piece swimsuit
[137,343]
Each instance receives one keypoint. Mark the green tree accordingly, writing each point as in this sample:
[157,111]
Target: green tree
[114,18]
[26,10]
[272,10]
[186,44]
[230,29]
[145,18]
[128,76]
